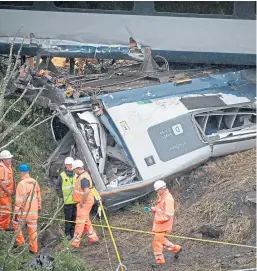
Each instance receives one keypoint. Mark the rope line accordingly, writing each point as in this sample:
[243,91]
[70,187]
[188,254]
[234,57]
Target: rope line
[151,233]
[107,249]
[98,198]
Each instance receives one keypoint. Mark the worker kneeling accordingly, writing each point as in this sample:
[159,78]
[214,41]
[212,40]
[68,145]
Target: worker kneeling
[27,205]
[83,196]
[163,222]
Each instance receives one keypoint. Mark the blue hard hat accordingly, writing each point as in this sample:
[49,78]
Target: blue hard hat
[23,168]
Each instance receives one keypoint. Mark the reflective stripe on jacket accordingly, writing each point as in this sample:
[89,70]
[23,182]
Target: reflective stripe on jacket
[28,191]
[164,212]
[79,192]
[68,184]
[8,179]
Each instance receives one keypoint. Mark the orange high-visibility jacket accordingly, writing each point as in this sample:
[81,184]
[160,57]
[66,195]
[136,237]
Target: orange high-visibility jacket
[6,176]
[78,192]
[24,193]
[164,212]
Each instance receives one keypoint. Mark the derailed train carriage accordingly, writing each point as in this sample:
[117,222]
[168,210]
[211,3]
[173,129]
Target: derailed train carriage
[129,138]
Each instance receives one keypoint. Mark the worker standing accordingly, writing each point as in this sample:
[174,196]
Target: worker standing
[27,205]
[163,222]
[85,200]
[7,188]
[65,187]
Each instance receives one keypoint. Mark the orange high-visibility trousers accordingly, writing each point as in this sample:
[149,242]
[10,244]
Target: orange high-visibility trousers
[32,230]
[83,224]
[159,243]
[5,212]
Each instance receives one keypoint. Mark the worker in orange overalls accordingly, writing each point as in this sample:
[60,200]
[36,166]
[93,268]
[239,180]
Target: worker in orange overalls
[7,188]
[163,222]
[27,205]
[85,200]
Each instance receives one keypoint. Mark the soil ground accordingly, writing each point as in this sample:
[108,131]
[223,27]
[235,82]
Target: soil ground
[212,195]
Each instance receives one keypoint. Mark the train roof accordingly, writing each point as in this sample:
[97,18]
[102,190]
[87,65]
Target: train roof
[125,83]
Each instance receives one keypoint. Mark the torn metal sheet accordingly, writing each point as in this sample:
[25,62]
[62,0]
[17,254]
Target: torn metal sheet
[99,135]
[130,138]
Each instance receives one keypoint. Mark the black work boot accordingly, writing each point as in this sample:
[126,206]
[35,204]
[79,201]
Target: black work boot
[176,256]
[157,265]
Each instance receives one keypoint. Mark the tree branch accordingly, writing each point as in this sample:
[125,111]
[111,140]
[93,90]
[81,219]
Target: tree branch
[13,104]
[12,126]
[3,85]
[32,126]
[16,61]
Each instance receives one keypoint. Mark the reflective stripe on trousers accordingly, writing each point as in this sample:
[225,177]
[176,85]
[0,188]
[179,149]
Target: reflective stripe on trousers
[5,212]
[32,230]
[159,258]
[159,243]
[83,224]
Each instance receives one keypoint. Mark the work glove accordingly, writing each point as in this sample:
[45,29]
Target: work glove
[147,209]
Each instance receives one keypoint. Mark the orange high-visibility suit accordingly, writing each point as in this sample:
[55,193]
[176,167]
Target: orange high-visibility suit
[6,176]
[163,222]
[27,191]
[83,222]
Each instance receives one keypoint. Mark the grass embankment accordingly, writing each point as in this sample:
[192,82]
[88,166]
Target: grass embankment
[33,148]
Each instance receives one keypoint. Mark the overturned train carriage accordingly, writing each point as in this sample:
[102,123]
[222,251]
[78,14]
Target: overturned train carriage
[129,139]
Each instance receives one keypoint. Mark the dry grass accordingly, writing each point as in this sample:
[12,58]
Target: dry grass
[225,182]
[239,229]
[210,195]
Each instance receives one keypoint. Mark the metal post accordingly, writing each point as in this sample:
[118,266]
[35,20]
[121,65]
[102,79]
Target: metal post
[72,66]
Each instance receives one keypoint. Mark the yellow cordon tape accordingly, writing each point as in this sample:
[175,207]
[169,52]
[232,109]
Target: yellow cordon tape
[168,235]
[149,232]
[98,198]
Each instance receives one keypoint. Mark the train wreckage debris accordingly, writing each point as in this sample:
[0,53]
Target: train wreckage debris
[132,127]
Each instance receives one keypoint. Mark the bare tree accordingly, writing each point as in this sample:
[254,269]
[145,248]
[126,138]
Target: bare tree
[9,132]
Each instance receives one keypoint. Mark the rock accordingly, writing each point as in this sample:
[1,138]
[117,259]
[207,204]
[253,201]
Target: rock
[251,198]
[241,260]
[198,235]
[249,205]
[237,255]
[210,231]
[50,238]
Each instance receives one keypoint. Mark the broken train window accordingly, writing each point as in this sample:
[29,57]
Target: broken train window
[227,119]
[109,5]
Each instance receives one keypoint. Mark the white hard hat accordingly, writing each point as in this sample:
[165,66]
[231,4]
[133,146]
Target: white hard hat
[77,163]
[68,161]
[5,155]
[159,184]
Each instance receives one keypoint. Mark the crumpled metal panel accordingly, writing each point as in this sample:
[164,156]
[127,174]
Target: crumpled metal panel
[210,84]
[84,151]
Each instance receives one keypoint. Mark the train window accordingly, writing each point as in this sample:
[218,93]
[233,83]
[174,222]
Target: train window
[196,7]
[110,5]
[17,3]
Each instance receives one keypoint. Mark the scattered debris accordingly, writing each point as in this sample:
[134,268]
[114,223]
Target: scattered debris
[104,118]
[43,261]
[210,231]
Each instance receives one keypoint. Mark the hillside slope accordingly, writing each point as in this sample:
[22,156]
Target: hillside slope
[212,195]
